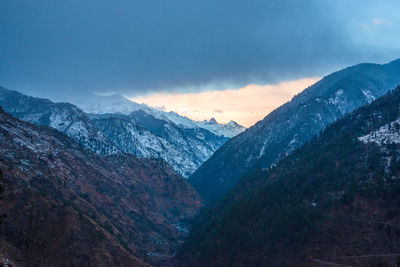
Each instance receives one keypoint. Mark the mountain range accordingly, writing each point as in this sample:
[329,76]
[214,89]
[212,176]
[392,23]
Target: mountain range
[130,128]
[316,182]
[332,202]
[118,104]
[293,124]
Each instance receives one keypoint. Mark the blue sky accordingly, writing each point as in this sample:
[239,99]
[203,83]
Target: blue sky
[137,48]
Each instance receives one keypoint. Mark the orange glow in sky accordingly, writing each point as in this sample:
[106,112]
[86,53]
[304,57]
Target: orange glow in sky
[246,105]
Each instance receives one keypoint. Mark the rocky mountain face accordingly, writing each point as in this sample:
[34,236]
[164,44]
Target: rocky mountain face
[134,128]
[146,136]
[230,129]
[333,202]
[67,206]
[293,124]
[64,117]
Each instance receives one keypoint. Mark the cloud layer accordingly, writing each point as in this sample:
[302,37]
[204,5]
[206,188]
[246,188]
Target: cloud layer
[137,47]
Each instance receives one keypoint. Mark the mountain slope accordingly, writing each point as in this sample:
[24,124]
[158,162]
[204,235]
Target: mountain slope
[64,117]
[67,206]
[144,135]
[293,124]
[144,132]
[334,202]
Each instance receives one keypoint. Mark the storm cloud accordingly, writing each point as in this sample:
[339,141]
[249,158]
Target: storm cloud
[139,47]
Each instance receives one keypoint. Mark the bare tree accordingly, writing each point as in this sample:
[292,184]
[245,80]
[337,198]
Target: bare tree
[43,233]
[2,216]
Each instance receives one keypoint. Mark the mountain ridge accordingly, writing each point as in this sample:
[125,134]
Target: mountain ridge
[294,123]
[191,146]
[334,201]
[119,104]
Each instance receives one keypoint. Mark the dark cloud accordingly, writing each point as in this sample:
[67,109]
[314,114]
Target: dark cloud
[134,47]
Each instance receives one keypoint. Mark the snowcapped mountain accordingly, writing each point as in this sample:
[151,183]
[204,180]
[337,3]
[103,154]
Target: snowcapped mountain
[118,125]
[230,129]
[144,135]
[293,124]
[101,104]
[116,103]
[64,117]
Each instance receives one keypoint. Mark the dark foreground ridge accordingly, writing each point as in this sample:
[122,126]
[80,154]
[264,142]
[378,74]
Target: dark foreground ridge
[67,206]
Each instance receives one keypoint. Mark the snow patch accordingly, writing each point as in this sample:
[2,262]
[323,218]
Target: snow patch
[338,98]
[368,95]
[387,134]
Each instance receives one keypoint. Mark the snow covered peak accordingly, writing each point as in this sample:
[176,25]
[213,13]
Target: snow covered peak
[213,121]
[101,104]
[230,129]
[233,124]
[119,104]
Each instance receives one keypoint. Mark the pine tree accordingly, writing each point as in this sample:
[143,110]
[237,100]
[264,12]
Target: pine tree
[1,191]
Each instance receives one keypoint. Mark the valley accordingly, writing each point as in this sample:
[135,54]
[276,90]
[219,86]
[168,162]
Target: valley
[90,176]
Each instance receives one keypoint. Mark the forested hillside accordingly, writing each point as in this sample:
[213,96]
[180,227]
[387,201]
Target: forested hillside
[334,200]
[294,123]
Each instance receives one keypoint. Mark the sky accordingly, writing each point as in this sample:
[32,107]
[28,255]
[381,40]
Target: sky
[245,105]
[172,49]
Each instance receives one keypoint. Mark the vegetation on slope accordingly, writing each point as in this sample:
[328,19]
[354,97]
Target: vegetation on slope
[334,199]
[293,124]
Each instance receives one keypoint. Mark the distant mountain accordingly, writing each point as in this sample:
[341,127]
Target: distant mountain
[102,104]
[333,202]
[64,117]
[293,124]
[131,128]
[144,135]
[119,104]
[68,206]
[230,129]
